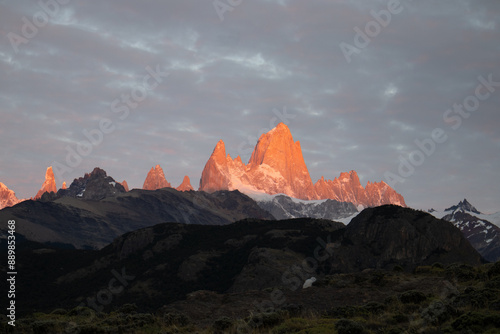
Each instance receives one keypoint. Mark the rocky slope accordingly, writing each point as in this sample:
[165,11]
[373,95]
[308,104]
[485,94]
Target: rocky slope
[7,197]
[90,221]
[284,207]
[171,262]
[49,185]
[155,179]
[277,166]
[483,234]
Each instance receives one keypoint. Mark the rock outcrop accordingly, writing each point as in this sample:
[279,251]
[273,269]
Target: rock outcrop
[185,185]
[93,186]
[49,185]
[155,179]
[284,207]
[390,235]
[125,185]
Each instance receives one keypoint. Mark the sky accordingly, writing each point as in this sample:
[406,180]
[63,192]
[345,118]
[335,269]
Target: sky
[405,92]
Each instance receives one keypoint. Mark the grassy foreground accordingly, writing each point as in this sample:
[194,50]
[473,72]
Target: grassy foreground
[469,303]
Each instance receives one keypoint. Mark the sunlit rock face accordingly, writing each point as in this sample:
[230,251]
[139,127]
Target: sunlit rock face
[125,185]
[185,185]
[277,166]
[49,185]
[7,197]
[347,188]
[156,179]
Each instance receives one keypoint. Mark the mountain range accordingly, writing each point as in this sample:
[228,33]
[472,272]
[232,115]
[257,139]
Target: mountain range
[96,209]
[276,166]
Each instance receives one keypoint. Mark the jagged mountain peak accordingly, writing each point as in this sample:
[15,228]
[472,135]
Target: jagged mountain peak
[185,185]
[7,197]
[277,166]
[463,206]
[49,185]
[156,179]
[95,185]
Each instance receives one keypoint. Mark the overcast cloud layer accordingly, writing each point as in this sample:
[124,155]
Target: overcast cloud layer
[229,79]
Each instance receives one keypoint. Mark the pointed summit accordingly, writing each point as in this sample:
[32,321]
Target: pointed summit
[49,185]
[185,185]
[215,175]
[155,179]
[276,151]
[95,185]
[463,206]
[7,197]
[276,166]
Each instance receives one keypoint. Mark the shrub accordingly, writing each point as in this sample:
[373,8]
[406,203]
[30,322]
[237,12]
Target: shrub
[93,329]
[373,308]
[293,310]
[59,311]
[378,279]
[399,318]
[461,272]
[437,265]
[412,296]
[493,283]
[266,319]
[494,270]
[342,312]
[175,319]
[398,269]
[422,270]
[128,308]
[81,311]
[476,298]
[141,319]
[345,326]
[476,321]
[45,327]
[223,323]
[292,325]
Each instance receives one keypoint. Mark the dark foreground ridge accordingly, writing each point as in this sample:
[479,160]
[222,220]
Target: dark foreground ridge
[93,223]
[171,263]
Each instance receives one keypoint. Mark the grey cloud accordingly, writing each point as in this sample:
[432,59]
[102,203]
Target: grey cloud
[227,77]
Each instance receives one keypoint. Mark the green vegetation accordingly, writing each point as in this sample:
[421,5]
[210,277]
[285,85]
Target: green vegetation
[469,303]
